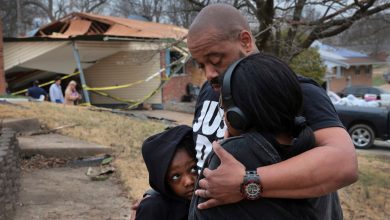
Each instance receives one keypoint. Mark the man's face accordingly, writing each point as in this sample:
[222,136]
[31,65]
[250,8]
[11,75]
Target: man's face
[214,56]
[58,82]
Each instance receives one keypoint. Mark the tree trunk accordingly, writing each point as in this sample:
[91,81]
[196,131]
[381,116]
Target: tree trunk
[3,83]
[18,18]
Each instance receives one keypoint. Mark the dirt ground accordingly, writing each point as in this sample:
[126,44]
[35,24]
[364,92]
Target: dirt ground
[67,193]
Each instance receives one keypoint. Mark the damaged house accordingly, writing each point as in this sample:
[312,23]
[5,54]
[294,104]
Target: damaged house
[116,60]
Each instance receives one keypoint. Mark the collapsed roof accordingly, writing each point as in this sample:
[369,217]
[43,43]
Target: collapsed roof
[86,24]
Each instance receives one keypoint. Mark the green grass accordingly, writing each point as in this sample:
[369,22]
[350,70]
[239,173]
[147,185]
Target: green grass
[378,80]
[368,177]
[12,96]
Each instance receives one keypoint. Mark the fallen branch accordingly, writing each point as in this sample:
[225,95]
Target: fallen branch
[53,130]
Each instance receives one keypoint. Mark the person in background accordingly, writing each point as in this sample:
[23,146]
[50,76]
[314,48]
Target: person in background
[36,92]
[55,91]
[71,94]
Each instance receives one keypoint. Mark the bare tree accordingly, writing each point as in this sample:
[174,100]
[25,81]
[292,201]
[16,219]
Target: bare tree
[55,9]
[285,28]
[180,13]
[21,16]
[16,19]
[370,35]
[152,10]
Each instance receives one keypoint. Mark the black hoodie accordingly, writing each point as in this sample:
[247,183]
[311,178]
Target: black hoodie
[253,150]
[158,151]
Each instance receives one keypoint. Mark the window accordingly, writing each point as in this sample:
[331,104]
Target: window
[175,55]
[357,70]
[368,69]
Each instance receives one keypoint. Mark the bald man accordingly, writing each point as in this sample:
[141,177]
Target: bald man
[218,36]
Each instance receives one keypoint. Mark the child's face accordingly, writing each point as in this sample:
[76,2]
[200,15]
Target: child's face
[182,174]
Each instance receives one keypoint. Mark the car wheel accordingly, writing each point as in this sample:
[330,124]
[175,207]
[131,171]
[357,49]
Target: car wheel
[362,136]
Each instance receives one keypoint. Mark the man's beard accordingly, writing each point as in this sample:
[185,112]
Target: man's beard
[216,82]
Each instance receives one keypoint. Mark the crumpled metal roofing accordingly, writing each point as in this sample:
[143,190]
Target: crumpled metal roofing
[79,24]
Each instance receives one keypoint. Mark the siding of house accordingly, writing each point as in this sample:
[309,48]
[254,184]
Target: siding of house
[123,68]
[2,78]
[362,78]
[21,52]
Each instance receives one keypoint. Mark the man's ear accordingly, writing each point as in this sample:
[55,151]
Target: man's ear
[246,40]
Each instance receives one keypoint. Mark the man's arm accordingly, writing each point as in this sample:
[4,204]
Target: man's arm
[319,171]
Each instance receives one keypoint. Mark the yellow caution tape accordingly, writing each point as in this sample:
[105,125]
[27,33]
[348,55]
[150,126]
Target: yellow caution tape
[136,82]
[135,103]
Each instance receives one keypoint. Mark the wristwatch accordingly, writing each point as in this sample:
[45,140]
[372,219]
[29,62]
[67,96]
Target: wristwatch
[251,188]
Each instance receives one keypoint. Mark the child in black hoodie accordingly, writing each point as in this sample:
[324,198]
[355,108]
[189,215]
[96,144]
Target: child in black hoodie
[170,159]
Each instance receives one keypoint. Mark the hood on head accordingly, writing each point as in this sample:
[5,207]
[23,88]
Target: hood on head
[158,151]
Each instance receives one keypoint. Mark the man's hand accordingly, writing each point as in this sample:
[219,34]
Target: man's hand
[222,185]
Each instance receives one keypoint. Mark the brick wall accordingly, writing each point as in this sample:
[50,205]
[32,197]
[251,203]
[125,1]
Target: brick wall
[2,79]
[176,87]
[9,173]
[362,78]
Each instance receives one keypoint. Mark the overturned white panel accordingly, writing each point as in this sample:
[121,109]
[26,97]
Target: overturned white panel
[17,53]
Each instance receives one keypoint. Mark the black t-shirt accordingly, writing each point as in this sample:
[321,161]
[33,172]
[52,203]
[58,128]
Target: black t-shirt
[317,107]
[208,124]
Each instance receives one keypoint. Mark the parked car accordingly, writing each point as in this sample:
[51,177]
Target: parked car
[365,124]
[360,91]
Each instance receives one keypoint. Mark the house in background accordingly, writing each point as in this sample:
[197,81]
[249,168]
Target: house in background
[111,51]
[178,89]
[346,67]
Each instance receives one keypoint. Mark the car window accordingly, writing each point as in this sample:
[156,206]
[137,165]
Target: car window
[360,91]
[351,90]
[374,91]
[382,91]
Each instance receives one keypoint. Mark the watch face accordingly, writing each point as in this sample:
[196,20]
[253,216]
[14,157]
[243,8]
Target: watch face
[252,191]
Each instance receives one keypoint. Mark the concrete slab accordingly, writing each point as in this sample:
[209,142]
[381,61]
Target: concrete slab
[60,146]
[21,125]
[67,193]
[14,100]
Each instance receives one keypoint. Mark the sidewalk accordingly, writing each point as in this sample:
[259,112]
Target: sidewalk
[64,192]
[67,193]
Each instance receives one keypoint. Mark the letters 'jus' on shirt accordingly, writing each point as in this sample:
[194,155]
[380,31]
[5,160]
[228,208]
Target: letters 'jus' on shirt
[208,124]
